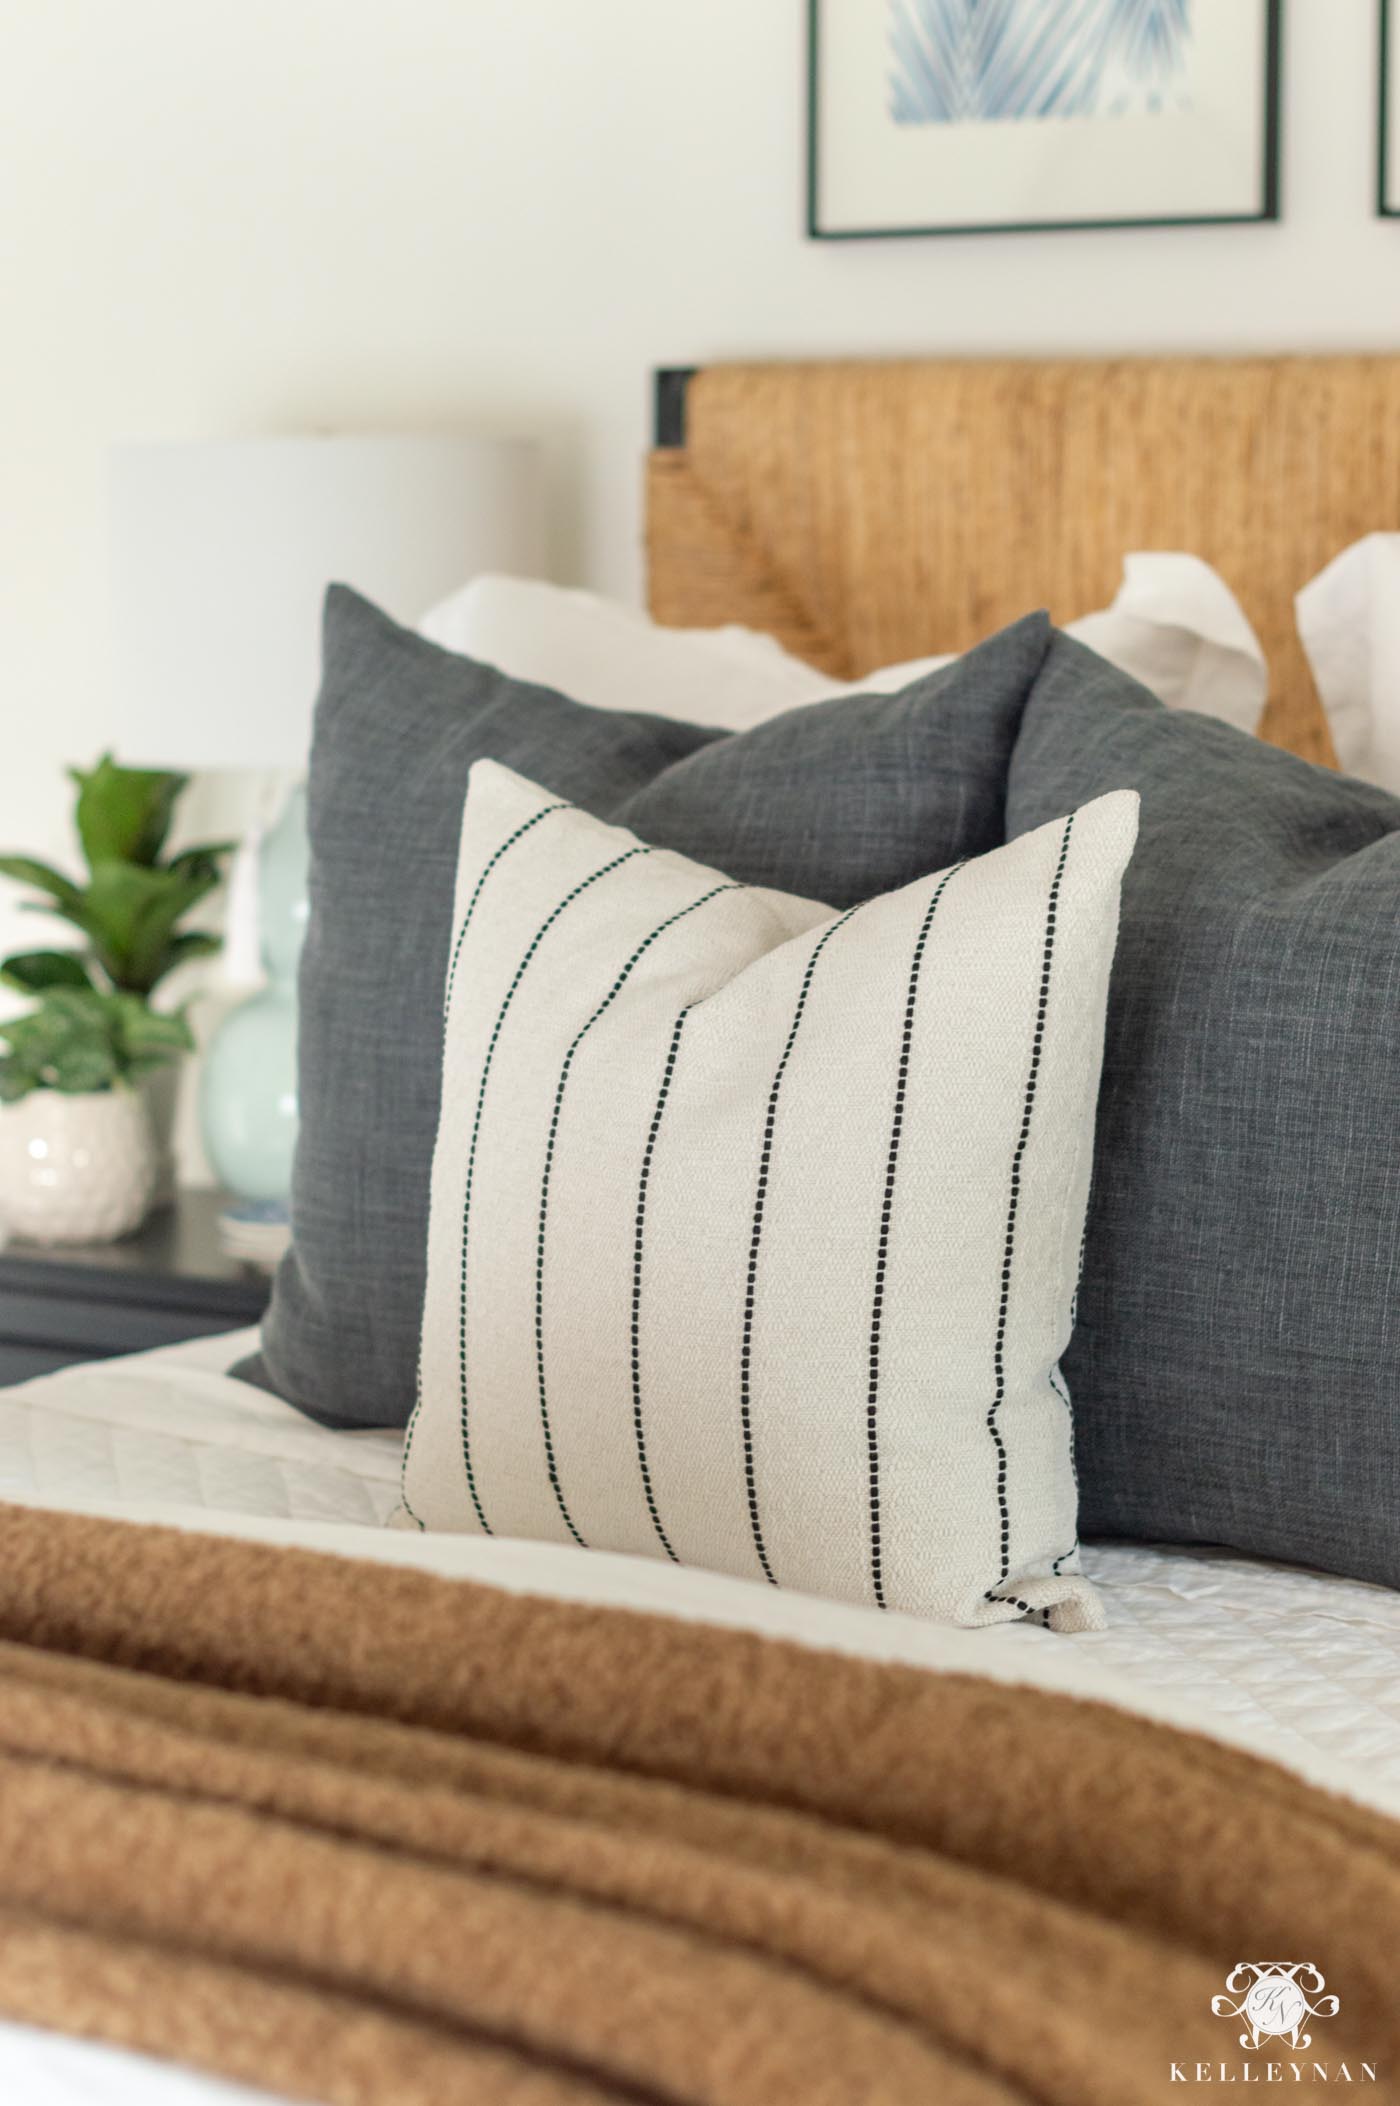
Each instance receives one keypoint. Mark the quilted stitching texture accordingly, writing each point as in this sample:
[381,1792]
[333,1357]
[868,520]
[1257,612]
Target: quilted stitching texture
[110,1433]
[1306,1656]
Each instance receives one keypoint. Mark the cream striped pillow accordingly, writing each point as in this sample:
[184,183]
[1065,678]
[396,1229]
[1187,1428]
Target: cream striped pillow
[755,1227]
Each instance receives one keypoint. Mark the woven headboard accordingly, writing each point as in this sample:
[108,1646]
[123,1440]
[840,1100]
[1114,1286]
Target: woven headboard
[868,512]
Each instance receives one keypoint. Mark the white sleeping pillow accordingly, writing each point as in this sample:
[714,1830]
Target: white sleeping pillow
[618,658]
[755,1227]
[1349,623]
[1177,627]
[1174,625]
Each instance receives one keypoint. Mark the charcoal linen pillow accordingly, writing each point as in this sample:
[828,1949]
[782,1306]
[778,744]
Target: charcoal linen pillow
[1236,1362]
[837,802]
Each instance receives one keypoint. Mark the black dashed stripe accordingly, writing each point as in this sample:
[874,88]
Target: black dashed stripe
[490,865]
[536,940]
[508,843]
[667,1076]
[1057,1383]
[609,998]
[751,1282]
[883,1247]
[1008,1254]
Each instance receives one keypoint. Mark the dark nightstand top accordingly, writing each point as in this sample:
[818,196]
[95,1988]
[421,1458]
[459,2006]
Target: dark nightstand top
[176,1258]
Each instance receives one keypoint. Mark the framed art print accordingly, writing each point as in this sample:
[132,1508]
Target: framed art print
[965,116]
[1388,195]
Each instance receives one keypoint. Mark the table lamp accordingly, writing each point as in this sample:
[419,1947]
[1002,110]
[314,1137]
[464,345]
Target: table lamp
[219,556]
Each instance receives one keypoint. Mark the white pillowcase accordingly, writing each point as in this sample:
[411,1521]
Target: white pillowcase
[618,658]
[1174,625]
[1177,627]
[755,1227]
[1349,622]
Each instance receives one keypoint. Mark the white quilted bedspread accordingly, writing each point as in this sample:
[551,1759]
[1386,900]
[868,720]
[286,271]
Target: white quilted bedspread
[1296,1665]
[170,1429]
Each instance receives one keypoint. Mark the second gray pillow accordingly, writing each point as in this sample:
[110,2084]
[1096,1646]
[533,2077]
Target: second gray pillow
[1235,1367]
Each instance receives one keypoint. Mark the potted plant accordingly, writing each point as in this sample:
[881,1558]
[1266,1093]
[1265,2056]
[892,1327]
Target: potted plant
[78,1159]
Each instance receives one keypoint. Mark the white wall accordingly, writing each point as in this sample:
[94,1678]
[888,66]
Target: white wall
[229,216]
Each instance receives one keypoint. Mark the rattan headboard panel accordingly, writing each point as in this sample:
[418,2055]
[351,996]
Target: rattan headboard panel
[868,512]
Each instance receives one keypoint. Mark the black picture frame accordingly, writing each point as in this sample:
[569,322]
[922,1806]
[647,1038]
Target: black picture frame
[1387,32]
[1270,185]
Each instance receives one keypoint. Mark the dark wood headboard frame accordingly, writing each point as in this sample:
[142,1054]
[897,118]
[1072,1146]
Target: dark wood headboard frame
[670,385]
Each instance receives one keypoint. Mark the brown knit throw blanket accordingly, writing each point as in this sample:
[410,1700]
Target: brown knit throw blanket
[355,1834]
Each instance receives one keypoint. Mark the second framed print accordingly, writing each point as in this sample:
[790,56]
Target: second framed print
[966,116]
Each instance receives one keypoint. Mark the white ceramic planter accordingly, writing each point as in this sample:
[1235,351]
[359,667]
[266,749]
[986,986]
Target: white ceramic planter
[75,1169]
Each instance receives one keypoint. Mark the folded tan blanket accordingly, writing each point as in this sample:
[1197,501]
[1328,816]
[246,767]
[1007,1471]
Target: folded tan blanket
[359,1835]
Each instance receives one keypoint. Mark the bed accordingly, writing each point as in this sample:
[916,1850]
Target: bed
[862,513]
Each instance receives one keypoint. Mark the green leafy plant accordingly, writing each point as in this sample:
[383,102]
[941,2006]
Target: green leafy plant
[132,902]
[93,1027]
[78,1040]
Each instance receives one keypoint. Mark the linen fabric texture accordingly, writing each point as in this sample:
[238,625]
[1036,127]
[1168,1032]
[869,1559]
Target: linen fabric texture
[755,1226]
[836,802]
[1236,1361]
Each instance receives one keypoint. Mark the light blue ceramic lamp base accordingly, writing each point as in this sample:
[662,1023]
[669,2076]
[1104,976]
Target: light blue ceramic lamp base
[248,1093]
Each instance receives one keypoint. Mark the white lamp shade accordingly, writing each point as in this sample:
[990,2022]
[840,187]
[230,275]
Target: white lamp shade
[220,555]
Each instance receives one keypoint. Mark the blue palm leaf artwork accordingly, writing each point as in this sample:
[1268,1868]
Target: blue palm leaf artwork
[1010,61]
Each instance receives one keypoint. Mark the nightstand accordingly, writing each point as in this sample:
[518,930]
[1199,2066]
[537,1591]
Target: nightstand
[169,1281]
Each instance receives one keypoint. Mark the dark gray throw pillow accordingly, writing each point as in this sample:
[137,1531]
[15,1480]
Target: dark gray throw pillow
[837,802]
[1235,1367]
